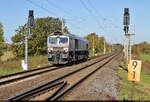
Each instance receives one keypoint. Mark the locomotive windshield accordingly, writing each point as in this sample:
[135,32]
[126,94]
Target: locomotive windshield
[52,40]
[63,40]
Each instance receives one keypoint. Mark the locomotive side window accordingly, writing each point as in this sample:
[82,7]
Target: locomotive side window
[76,44]
[71,43]
[86,46]
[52,40]
[63,40]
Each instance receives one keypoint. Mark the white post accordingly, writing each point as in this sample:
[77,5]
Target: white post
[104,46]
[29,24]
[93,46]
[26,49]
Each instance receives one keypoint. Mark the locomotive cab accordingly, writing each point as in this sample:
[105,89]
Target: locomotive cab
[58,49]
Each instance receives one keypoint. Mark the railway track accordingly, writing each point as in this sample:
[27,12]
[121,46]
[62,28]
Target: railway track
[6,79]
[66,83]
[26,74]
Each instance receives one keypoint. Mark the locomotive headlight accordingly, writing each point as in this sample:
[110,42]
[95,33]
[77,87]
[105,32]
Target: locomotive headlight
[66,49]
[50,49]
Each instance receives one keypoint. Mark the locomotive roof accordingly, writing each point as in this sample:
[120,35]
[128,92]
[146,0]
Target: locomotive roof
[77,37]
[57,33]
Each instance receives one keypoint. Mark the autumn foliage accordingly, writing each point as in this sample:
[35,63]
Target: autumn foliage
[141,48]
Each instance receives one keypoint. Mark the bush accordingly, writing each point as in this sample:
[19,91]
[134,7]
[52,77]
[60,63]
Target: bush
[7,56]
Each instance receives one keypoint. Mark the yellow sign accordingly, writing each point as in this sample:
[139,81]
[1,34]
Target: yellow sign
[134,70]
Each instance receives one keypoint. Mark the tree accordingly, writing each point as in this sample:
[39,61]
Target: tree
[98,43]
[141,48]
[93,37]
[101,44]
[1,39]
[38,39]
[117,47]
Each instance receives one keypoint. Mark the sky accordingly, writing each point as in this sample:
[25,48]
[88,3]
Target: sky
[104,17]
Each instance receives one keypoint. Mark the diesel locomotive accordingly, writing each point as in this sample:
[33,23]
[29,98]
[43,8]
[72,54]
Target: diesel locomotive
[64,48]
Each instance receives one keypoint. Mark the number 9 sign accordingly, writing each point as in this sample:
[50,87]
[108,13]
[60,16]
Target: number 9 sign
[134,70]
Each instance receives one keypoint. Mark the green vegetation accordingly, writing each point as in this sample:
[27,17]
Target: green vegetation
[141,48]
[38,39]
[14,66]
[7,56]
[5,71]
[142,88]
[145,57]
[12,54]
[99,44]
[1,40]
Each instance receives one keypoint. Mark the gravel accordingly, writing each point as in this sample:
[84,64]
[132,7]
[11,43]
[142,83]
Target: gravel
[103,85]
[102,88]
[15,88]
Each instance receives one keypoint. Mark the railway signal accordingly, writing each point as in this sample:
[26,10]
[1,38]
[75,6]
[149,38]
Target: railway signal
[126,20]
[31,19]
[127,43]
[134,66]
[28,27]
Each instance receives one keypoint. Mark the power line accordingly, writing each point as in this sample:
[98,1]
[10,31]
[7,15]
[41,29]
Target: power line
[37,5]
[116,26]
[97,13]
[57,7]
[90,11]
[104,19]
[63,10]
[50,12]
[66,12]
[92,14]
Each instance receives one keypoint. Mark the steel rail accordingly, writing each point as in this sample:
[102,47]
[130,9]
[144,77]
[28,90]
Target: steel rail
[56,92]
[18,73]
[78,82]
[30,75]
[33,74]
[35,90]
[68,74]
[36,69]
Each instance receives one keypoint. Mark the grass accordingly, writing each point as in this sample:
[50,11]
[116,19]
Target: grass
[10,64]
[14,66]
[9,71]
[145,57]
[8,55]
[96,54]
[142,88]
